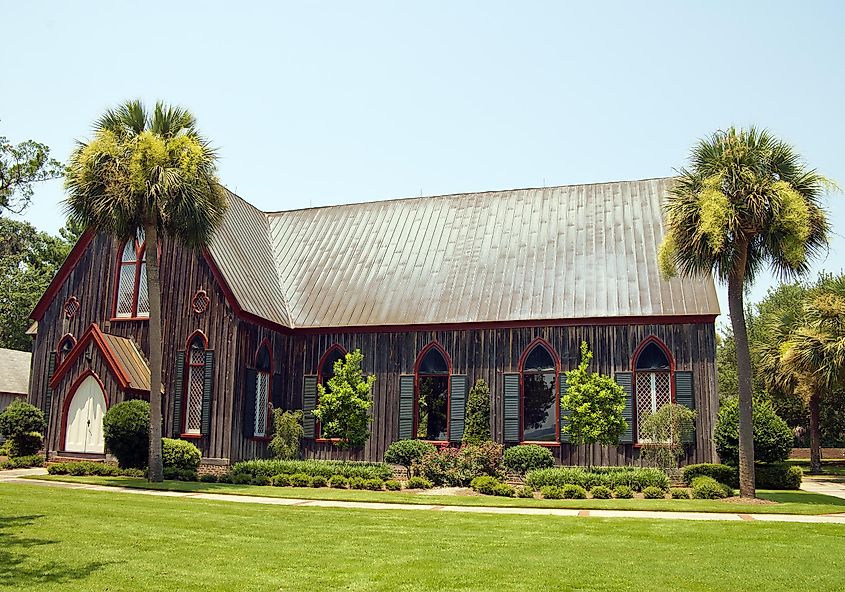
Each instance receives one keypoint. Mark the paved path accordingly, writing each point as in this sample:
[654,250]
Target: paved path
[820,484]
[7,477]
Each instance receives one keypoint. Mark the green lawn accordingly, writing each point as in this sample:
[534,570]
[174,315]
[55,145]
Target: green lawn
[830,467]
[59,539]
[790,502]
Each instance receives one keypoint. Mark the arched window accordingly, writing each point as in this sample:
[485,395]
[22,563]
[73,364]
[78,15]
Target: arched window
[325,372]
[195,384]
[263,374]
[432,394]
[131,298]
[66,344]
[539,394]
[653,367]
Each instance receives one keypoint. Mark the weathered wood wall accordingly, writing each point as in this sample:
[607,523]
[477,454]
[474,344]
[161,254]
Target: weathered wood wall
[183,273]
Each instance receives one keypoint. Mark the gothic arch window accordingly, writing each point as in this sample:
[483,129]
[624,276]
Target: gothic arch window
[263,376]
[131,299]
[653,370]
[431,397]
[66,344]
[195,361]
[325,372]
[540,404]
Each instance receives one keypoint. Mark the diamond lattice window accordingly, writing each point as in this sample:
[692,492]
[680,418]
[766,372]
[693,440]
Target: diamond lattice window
[653,391]
[196,385]
[262,397]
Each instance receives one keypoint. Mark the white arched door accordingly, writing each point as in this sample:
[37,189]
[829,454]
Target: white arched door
[84,431]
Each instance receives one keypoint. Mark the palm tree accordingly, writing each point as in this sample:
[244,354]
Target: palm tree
[150,171]
[807,354]
[746,202]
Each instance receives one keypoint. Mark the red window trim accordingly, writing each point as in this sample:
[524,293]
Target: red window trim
[186,384]
[59,356]
[317,428]
[433,345]
[140,253]
[525,353]
[634,357]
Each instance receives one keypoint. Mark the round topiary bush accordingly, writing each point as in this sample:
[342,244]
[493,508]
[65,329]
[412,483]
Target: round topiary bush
[709,488]
[528,457]
[653,493]
[126,429]
[338,482]
[524,491]
[485,484]
[405,452]
[393,485]
[504,490]
[22,425]
[601,492]
[318,481]
[418,483]
[180,455]
[772,437]
[679,493]
[300,480]
[623,492]
[573,492]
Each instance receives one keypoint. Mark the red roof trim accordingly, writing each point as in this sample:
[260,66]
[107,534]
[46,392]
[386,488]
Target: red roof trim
[93,333]
[64,271]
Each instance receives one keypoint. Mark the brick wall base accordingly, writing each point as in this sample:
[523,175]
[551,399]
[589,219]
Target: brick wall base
[804,453]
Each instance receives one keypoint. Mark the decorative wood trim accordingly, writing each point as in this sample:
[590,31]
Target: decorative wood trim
[200,302]
[69,397]
[92,334]
[71,307]
[61,277]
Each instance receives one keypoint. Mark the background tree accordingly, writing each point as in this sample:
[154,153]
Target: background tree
[746,202]
[772,437]
[477,417]
[28,261]
[21,166]
[287,434]
[344,407]
[151,171]
[595,404]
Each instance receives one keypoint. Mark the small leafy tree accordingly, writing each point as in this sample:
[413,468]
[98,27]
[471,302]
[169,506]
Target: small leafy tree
[287,434]
[595,404]
[344,407]
[664,434]
[22,424]
[477,419]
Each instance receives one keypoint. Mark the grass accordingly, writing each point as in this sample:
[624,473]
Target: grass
[830,467]
[76,540]
[789,502]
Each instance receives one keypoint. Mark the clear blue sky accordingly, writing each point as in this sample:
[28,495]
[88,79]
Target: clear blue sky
[323,103]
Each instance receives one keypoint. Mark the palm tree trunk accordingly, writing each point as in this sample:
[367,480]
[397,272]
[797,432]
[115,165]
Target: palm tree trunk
[156,469]
[736,308]
[815,434]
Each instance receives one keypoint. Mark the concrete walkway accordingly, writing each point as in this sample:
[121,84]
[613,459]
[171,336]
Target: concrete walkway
[8,477]
[825,485]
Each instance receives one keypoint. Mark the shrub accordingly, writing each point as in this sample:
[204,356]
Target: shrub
[356,483]
[623,492]
[318,481]
[524,491]
[338,482]
[22,425]
[208,478]
[85,468]
[280,480]
[477,417]
[300,480]
[721,473]
[136,473]
[528,457]
[23,462]
[126,429]
[651,492]
[709,488]
[405,452]
[175,474]
[260,480]
[772,437]
[225,478]
[179,454]
[678,493]
[573,492]
[240,478]
[287,434]
[484,484]
[601,492]
[551,492]
[419,483]
[459,466]
[324,468]
[504,490]
[393,485]
[777,476]
[671,426]
[373,484]
[636,478]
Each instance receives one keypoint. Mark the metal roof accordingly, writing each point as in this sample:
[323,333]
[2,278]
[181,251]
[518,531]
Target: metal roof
[552,253]
[14,371]
[131,359]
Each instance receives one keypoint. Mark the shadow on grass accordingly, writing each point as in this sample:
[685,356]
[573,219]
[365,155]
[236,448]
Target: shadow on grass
[802,497]
[20,565]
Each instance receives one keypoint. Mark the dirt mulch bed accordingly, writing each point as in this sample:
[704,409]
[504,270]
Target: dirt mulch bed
[462,491]
[756,501]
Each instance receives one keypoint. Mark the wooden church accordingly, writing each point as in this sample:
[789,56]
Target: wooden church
[435,291]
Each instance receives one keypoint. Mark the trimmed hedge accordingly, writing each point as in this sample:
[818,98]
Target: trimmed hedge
[405,452]
[634,477]
[528,457]
[22,425]
[709,488]
[23,462]
[126,430]
[721,473]
[418,483]
[181,455]
[678,493]
[85,468]
[312,468]
[601,492]
[653,493]
[773,439]
[623,492]
[573,492]
[484,484]
[777,476]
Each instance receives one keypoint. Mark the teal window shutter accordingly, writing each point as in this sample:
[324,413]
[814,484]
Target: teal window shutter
[406,406]
[511,400]
[48,395]
[457,406]
[684,396]
[178,393]
[207,391]
[309,402]
[625,380]
[564,414]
